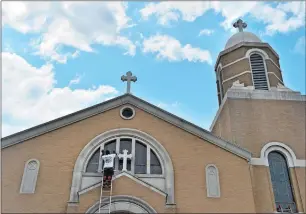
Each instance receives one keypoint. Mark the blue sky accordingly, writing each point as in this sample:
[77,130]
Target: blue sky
[60,57]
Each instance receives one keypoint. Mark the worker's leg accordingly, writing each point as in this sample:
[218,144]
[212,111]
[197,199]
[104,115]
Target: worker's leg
[110,174]
[105,176]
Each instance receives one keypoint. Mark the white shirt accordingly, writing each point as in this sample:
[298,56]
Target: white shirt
[109,160]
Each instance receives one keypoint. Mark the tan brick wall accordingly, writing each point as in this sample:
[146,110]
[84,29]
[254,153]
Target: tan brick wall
[263,192]
[57,152]
[272,68]
[253,123]
[233,55]
[273,80]
[223,130]
[236,69]
[245,78]
[300,174]
[272,56]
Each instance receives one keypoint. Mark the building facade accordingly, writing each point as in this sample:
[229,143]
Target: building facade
[251,161]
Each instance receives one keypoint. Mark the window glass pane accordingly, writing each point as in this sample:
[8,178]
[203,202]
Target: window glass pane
[125,144]
[110,146]
[281,182]
[93,162]
[155,167]
[140,158]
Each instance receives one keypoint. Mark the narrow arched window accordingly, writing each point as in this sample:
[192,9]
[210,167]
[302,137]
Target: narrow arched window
[281,183]
[125,144]
[155,167]
[29,178]
[140,158]
[259,72]
[212,181]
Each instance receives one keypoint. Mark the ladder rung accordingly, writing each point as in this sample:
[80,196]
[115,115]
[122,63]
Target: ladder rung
[104,210]
[104,197]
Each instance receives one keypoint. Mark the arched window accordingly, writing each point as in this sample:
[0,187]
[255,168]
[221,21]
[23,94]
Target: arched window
[29,178]
[212,181]
[144,160]
[259,72]
[280,178]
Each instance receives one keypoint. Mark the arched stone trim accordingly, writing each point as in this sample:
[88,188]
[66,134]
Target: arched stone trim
[29,178]
[280,147]
[123,203]
[256,50]
[215,183]
[89,149]
[290,156]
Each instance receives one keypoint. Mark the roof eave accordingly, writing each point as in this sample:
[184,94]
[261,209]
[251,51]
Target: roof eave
[113,103]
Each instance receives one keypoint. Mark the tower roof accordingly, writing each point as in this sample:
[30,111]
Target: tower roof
[241,36]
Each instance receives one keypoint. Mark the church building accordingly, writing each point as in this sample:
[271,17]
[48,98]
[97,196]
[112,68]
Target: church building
[252,160]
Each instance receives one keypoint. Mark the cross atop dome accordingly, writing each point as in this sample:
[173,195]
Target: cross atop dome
[240,25]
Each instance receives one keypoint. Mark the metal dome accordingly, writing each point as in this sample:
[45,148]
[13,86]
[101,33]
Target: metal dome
[241,37]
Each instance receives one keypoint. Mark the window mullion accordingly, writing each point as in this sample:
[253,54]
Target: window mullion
[148,159]
[133,156]
[117,152]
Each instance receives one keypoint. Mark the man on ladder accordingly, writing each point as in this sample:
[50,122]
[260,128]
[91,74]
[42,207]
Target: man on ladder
[108,168]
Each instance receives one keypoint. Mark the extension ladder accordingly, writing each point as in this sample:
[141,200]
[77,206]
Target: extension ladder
[106,194]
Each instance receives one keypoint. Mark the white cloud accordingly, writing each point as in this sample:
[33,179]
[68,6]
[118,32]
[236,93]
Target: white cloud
[206,32]
[282,18]
[75,80]
[173,11]
[29,96]
[300,46]
[167,47]
[165,106]
[72,24]
[8,129]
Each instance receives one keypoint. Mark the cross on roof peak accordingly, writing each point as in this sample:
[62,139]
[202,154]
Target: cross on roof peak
[128,78]
[240,25]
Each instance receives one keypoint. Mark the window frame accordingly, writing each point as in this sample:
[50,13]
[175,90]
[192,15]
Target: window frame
[125,107]
[217,181]
[265,67]
[277,203]
[117,142]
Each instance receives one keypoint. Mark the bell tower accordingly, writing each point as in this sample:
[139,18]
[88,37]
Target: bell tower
[255,107]
[247,61]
